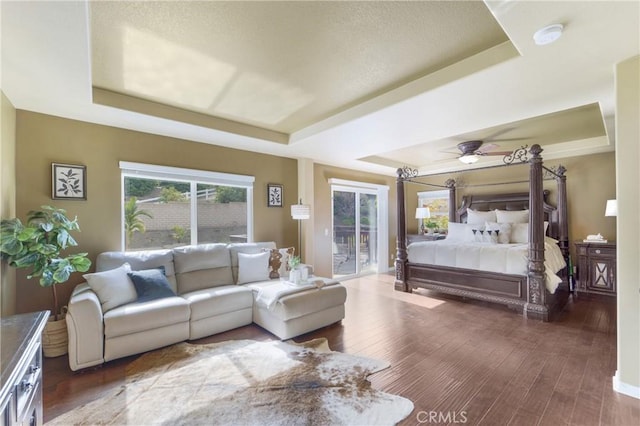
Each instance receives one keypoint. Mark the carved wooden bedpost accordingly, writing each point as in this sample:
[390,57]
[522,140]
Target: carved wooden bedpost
[563,232]
[401,243]
[451,184]
[535,306]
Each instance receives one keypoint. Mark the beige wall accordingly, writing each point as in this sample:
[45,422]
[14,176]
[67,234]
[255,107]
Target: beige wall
[628,195]
[43,139]
[322,261]
[590,183]
[7,197]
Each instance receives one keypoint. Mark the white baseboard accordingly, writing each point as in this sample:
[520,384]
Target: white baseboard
[625,388]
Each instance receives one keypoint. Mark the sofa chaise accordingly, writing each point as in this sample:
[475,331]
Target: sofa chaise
[143,300]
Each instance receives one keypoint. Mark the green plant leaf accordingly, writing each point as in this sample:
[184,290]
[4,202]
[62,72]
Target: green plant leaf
[46,280]
[11,246]
[26,260]
[48,249]
[62,272]
[63,238]
[46,226]
[80,262]
[26,234]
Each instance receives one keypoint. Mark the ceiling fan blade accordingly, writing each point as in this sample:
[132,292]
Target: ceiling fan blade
[485,148]
[497,153]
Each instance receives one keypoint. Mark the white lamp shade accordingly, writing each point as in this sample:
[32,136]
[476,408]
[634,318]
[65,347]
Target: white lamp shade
[423,213]
[468,159]
[300,211]
[612,208]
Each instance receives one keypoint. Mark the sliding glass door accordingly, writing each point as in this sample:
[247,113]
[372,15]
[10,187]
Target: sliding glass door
[355,231]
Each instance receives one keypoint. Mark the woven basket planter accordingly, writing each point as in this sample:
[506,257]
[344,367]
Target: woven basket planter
[55,339]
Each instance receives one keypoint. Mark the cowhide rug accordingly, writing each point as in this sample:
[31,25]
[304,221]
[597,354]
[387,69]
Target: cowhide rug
[245,382]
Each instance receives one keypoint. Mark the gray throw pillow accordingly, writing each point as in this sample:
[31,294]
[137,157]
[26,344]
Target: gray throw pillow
[151,284]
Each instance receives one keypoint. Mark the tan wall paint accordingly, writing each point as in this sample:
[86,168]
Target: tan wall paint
[322,212]
[590,183]
[7,198]
[628,178]
[43,139]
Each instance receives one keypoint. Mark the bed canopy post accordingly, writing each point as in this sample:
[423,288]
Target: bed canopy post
[563,232]
[401,242]
[451,184]
[536,306]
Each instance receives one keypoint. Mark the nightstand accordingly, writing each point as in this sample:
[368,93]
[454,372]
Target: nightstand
[596,267]
[412,238]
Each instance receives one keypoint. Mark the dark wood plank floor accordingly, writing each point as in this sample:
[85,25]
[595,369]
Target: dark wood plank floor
[456,360]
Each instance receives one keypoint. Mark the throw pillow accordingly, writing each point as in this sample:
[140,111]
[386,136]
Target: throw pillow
[113,287]
[460,232]
[504,234]
[478,234]
[512,216]
[279,261]
[475,217]
[151,284]
[520,233]
[253,267]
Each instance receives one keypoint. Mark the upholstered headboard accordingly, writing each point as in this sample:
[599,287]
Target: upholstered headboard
[514,201]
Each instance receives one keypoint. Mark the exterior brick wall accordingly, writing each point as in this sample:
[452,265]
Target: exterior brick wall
[166,216]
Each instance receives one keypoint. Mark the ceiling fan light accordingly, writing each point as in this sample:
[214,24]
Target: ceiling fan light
[468,159]
[548,35]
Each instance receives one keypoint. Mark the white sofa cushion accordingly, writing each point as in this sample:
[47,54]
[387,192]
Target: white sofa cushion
[114,287]
[202,266]
[250,248]
[253,267]
[144,259]
[137,317]
[218,300]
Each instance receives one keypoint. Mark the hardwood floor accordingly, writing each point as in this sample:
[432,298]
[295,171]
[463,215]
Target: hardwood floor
[497,369]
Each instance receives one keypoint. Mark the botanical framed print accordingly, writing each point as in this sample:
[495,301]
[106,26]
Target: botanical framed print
[274,195]
[68,182]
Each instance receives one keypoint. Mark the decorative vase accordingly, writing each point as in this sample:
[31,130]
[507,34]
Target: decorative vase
[55,339]
[304,274]
[294,276]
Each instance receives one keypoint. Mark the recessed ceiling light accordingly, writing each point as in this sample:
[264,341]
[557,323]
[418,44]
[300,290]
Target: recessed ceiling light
[548,35]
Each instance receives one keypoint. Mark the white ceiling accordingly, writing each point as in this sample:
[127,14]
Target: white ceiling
[362,85]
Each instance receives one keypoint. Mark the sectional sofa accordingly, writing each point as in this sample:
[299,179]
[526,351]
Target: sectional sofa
[143,300]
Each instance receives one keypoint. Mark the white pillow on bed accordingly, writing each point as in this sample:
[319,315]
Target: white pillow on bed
[504,231]
[460,232]
[520,232]
[476,217]
[512,216]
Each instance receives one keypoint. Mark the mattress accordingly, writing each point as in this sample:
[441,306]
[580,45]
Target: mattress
[491,257]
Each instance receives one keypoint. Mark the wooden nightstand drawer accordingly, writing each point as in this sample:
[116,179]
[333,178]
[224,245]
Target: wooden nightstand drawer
[602,251]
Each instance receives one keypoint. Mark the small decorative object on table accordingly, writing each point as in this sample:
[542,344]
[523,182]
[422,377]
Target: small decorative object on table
[294,272]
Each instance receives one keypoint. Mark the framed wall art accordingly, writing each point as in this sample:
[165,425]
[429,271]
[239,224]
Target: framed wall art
[274,195]
[68,182]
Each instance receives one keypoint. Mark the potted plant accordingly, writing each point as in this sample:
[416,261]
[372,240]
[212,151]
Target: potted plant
[294,272]
[37,244]
[431,227]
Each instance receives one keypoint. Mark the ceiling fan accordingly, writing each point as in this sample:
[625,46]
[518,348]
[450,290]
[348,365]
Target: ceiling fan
[472,150]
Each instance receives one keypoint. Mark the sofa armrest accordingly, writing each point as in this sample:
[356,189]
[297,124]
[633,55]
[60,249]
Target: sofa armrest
[86,328]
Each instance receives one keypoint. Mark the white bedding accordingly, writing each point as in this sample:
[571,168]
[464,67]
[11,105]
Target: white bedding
[502,258]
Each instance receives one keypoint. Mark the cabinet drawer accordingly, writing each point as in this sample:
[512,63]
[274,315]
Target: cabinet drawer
[602,251]
[29,383]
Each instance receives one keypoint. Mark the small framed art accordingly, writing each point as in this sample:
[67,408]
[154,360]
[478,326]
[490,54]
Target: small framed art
[274,195]
[68,182]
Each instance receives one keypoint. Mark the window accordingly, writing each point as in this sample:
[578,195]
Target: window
[167,206]
[438,203]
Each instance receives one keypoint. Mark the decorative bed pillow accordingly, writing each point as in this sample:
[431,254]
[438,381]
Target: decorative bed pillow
[151,284]
[520,232]
[504,231]
[512,216]
[253,267]
[478,233]
[113,287]
[486,236]
[476,217]
[460,232]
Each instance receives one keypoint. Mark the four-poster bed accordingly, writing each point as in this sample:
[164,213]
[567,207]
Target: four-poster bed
[524,291]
